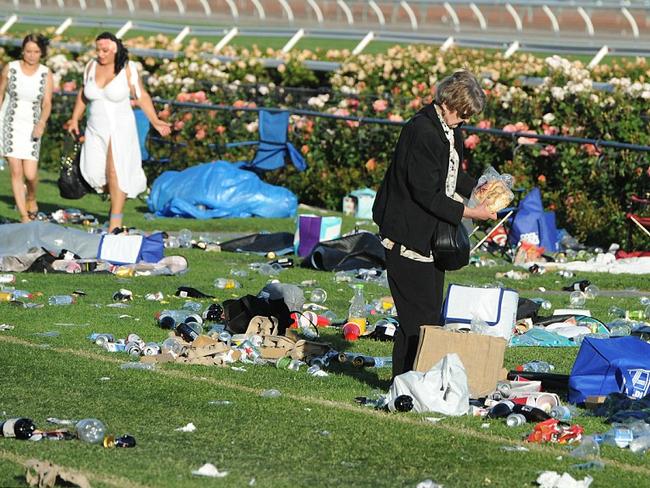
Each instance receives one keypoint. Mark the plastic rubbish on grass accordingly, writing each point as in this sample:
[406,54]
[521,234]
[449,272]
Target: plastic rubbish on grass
[90,430]
[563,412]
[588,449]
[536,367]
[618,437]
[271,393]
[142,366]
[61,300]
[226,284]
[577,299]
[318,295]
[357,313]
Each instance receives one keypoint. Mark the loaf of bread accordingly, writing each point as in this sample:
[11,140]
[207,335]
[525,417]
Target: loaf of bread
[494,194]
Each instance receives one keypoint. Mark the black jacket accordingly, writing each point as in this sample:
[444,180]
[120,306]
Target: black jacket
[412,196]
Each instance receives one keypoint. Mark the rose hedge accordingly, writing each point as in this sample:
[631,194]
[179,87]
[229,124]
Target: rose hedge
[587,186]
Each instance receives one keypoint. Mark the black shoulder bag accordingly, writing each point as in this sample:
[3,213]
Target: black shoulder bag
[71,184]
[450,246]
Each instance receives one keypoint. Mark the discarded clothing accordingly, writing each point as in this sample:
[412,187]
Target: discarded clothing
[361,250]
[279,242]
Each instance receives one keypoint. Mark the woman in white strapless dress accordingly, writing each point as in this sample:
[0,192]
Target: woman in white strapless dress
[110,155]
[26,97]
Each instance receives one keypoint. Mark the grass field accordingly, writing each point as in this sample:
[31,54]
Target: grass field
[313,435]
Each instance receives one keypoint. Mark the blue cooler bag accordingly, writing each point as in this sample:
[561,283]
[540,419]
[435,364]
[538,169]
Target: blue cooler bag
[605,366]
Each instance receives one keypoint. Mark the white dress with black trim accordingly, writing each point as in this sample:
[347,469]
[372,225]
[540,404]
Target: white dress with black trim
[21,111]
[111,121]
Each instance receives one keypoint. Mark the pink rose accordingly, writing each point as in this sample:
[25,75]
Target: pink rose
[485,124]
[70,86]
[395,118]
[472,141]
[380,105]
[549,150]
[178,125]
[200,134]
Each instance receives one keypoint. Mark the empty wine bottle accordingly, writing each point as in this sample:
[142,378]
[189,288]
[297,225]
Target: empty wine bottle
[20,428]
[577,286]
[532,414]
[403,403]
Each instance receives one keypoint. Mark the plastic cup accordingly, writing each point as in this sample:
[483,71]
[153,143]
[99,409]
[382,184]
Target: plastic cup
[351,331]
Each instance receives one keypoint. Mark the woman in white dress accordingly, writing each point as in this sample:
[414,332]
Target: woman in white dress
[26,97]
[110,155]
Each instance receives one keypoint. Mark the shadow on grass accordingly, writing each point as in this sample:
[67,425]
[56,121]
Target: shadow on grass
[368,376]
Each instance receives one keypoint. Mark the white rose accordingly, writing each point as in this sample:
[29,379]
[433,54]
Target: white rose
[548,118]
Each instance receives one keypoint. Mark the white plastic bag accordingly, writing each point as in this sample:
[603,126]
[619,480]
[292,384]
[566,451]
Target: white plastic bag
[442,389]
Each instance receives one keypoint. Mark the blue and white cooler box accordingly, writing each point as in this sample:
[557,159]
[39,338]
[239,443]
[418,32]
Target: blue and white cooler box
[131,249]
[359,203]
[497,307]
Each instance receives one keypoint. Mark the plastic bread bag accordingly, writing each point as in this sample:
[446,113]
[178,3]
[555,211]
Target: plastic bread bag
[492,189]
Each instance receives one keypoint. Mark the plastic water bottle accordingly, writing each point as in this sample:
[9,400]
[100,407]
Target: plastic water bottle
[318,295]
[618,437]
[563,412]
[185,238]
[90,430]
[61,300]
[537,367]
[3,164]
[357,313]
[640,444]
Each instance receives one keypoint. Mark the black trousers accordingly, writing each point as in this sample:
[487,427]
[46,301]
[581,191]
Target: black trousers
[417,289]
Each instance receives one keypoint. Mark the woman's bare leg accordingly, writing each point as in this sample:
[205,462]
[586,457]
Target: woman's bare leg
[30,170]
[18,187]
[118,197]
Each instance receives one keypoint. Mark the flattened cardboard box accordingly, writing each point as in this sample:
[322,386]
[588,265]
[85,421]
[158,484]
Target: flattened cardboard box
[481,355]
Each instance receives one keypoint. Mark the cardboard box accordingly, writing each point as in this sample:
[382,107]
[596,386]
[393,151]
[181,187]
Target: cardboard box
[593,402]
[481,355]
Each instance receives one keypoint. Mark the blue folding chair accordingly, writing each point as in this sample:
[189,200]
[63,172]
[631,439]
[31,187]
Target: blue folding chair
[273,145]
[146,137]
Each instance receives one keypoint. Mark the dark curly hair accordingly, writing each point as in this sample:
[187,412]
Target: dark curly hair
[41,41]
[122,55]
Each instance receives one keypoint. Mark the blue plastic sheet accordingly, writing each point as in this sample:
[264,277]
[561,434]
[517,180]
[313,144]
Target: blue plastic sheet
[218,189]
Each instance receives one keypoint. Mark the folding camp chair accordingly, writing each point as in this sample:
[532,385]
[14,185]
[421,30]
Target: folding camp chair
[636,205]
[273,146]
[148,138]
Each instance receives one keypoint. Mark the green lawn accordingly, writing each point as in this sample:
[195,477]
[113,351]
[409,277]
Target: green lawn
[313,435]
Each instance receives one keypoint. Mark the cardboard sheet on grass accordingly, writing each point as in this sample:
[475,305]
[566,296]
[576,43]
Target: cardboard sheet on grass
[481,355]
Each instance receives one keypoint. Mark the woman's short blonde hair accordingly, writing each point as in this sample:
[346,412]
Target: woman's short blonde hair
[462,93]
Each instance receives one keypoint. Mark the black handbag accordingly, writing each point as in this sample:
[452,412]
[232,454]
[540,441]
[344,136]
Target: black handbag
[71,184]
[450,246]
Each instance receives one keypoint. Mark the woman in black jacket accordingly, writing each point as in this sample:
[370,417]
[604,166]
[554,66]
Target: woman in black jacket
[419,189]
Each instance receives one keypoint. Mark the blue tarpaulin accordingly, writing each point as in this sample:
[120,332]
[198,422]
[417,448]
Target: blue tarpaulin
[218,189]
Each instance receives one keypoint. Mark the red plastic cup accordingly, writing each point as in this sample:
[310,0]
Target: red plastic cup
[351,331]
